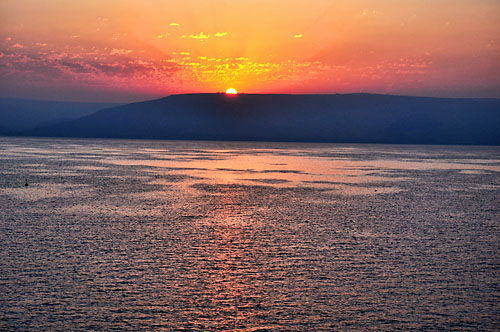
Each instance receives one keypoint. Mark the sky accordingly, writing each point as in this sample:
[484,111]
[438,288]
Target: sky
[131,50]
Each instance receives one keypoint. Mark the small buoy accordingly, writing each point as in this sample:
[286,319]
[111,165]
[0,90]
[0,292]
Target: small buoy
[26,183]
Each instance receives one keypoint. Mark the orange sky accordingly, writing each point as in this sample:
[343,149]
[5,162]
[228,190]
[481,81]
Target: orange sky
[126,50]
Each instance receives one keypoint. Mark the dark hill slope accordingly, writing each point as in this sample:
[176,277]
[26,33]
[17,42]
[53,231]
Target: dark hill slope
[20,115]
[322,118]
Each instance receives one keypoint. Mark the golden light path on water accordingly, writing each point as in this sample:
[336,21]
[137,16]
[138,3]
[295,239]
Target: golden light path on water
[296,168]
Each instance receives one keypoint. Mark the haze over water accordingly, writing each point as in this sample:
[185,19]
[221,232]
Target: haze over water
[237,236]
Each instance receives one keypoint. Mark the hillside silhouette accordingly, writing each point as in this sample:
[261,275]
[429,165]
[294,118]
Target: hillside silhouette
[20,115]
[356,118]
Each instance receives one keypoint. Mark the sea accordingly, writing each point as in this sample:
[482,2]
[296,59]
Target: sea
[143,235]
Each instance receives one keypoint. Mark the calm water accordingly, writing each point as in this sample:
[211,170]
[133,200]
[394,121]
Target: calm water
[211,236]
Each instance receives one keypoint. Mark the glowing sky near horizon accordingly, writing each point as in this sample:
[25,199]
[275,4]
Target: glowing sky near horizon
[127,50]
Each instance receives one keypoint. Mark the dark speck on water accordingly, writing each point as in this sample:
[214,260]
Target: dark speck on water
[123,235]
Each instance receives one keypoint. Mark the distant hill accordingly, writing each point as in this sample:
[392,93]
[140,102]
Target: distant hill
[363,118]
[21,115]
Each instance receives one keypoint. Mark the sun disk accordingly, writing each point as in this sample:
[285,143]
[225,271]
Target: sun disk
[231,91]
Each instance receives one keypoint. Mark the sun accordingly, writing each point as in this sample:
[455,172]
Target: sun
[231,91]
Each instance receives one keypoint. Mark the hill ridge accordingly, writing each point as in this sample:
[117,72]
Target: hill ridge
[355,118]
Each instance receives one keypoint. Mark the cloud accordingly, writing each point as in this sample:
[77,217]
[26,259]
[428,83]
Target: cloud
[220,34]
[17,46]
[229,69]
[76,67]
[298,36]
[200,36]
[97,67]
[75,36]
[120,51]
[164,35]
[41,44]
[116,36]
[86,66]
[173,24]
[370,12]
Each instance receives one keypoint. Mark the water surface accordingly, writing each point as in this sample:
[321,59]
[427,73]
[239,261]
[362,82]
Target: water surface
[233,236]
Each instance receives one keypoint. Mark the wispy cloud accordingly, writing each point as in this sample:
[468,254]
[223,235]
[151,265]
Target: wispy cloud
[117,36]
[17,46]
[370,12]
[120,51]
[41,44]
[220,34]
[95,66]
[298,36]
[173,24]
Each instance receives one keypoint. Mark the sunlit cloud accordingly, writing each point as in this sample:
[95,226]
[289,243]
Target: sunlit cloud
[298,36]
[173,24]
[220,34]
[95,66]
[163,36]
[199,36]
[75,36]
[17,46]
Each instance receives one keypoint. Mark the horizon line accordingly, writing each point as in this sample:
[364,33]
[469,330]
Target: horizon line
[241,93]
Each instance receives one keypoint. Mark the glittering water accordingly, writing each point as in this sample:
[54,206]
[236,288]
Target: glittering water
[212,236]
